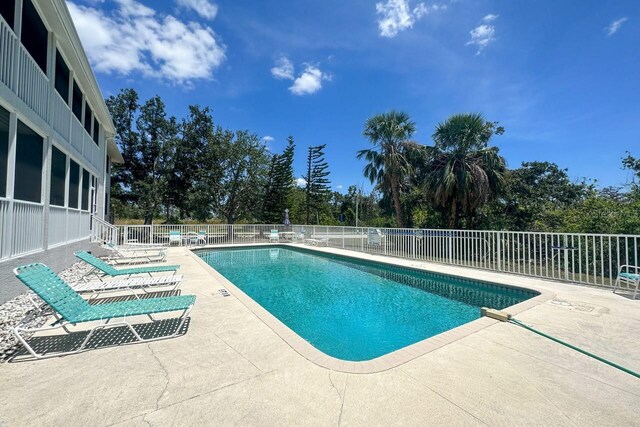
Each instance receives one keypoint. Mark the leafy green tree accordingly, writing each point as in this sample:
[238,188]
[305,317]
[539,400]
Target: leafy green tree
[245,165]
[388,165]
[124,109]
[156,133]
[531,194]
[633,164]
[464,173]
[279,185]
[317,188]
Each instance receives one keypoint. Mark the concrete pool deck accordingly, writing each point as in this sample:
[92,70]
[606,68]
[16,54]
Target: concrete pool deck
[231,368]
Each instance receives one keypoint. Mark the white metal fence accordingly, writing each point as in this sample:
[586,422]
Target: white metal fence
[581,258]
[24,229]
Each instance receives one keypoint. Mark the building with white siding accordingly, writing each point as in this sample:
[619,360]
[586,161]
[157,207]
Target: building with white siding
[56,134]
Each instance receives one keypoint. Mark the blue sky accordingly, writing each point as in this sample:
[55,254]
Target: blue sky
[561,77]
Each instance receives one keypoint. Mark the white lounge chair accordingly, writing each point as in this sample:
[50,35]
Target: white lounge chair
[121,255]
[144,284]
[175,237]
[274,236]
[630,275]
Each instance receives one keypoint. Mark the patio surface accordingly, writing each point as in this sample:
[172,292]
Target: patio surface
[232,369]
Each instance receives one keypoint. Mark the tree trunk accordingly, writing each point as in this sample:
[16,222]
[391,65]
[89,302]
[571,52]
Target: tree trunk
[395,195]
[453,219]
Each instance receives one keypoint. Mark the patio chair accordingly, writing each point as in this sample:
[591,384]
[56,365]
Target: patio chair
[175,237]
[274,236]
[102,268]
[192,238]
[202,237]
[69,308]
[131,285]
[630,275]
[135,256]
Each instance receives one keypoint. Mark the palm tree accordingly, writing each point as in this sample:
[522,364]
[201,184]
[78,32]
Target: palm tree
[388,165]
[463,171]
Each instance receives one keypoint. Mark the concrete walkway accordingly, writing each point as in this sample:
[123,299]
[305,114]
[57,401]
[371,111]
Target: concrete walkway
[232,369]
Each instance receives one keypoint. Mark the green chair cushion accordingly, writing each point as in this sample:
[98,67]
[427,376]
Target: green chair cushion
[110,270]
[74,309]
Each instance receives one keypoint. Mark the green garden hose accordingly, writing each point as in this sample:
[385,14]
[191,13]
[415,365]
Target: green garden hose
[608,362]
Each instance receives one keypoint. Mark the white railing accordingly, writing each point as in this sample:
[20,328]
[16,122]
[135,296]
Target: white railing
[77,134]
[102,231]
[61,115]
[8,44]
[57,226]
[33,84]
[91,151]
[592,259]
[28,227]
[5,225]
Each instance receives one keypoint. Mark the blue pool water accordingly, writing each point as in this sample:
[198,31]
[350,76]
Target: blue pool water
[352,309]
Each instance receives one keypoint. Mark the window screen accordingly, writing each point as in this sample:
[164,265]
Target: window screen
[74,184]
[34,34]
[28,176]
[58,175]
[77,102]
[7,10]
[62,77]
[85,190]
[96,131]
[4,150]
[87,118]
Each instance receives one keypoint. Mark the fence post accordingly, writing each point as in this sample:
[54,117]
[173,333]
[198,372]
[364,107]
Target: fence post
[342,237]
[499,250]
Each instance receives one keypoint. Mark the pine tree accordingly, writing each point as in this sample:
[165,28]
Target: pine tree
[279,185]
[318,185]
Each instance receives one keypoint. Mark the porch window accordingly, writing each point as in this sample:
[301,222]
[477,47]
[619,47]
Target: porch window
[58,175]
[96,131]
[87,118]
[62,77]
[77,101]
[85,189]
[28,175]
[34,35]
[7,10]
[4,150]
[74,184]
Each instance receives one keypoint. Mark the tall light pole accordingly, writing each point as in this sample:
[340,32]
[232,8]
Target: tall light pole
[357,200]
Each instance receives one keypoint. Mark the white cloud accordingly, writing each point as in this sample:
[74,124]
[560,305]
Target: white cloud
[134,38]
[283,69]
[483,34]
[309,82]
[615,26]
[339,187]
[268,138]
[490,18]
[397,15]
[301,182]
[204,8]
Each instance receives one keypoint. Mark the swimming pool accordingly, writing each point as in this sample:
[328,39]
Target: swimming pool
[353,309]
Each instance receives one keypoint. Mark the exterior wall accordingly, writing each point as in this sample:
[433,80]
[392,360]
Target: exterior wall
[30,96]
[57,259]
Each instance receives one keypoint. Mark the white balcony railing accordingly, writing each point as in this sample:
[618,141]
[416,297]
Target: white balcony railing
[33,84]
[57,226]
[5,225]
[8,46]
[592,259]
[28,227]
[61,116]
